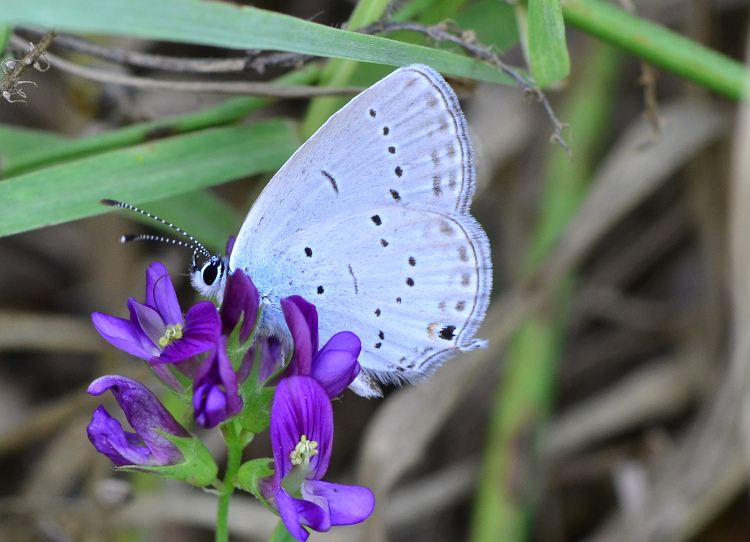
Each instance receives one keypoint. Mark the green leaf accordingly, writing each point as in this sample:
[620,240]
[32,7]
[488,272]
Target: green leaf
[16,143]
[252,471]
[143,173]
[493,22]
[659,45]
[547,50]
[24,150]
[256,412]
[5,32]
[199,468]
[224,24]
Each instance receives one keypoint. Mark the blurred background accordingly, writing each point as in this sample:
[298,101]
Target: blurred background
[613,402]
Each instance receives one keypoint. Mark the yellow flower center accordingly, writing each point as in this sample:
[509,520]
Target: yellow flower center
[171,334]
[304,450]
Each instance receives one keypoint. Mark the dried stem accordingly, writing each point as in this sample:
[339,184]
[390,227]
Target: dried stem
[14,70]
[220,87]
[467,40]
[260,62]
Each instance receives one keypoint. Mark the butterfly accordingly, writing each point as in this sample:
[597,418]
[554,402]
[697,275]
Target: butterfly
[369,221]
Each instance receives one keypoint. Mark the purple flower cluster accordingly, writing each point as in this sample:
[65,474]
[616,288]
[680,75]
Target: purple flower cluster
[210,353]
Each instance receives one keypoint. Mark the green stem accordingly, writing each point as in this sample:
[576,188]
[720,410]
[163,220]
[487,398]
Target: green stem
[659,46]
[234,458]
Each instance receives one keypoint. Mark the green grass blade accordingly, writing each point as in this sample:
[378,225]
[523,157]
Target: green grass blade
[659,45]
[26,153]
[143,173]
[16,142]
[548,52]
[5,32]
[223,24]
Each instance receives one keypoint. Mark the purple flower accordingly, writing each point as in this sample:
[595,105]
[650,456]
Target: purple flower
[145,413]
[335,365]
[270,357]
[240,296]
[301,436]
[156,331]
[215,393]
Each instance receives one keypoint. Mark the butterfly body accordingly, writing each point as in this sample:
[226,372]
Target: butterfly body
[369,221]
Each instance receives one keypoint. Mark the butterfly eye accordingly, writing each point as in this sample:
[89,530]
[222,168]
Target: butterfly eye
[210,271]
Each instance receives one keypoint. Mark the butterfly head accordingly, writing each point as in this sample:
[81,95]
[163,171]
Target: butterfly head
[210,276]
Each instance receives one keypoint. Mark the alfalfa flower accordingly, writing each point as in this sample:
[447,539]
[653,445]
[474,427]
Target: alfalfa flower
[302,436]
[156,330]
[145,414]
[335,365]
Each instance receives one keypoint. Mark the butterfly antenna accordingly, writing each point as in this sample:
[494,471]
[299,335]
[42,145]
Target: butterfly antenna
[194,243]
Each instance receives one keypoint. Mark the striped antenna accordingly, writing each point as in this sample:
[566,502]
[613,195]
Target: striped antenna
[194,244]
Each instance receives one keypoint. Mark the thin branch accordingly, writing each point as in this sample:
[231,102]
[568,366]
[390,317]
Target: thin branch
[259,61]
[218,87]
[14,70]
[468,41]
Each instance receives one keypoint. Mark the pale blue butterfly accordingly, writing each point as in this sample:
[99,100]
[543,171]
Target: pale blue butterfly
[369,220]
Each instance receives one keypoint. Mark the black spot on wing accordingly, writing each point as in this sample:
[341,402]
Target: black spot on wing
[331,179]
[447,333]
[308,252]
[376,220]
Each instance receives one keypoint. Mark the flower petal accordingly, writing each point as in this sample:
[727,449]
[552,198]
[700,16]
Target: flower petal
[346,504]
[301,407]
[145,413]
[335,365]
[148,320]
[202,328]
[344,340]
[122,447]
[287,507]
[160,294]
[335,371]
[215,395]
[121,334]
[302,320]
[270,360]
[165,374]
[240,296]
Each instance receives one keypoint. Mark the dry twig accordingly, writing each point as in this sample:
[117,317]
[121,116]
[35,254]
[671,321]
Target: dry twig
[14,70]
